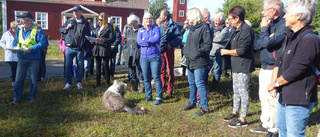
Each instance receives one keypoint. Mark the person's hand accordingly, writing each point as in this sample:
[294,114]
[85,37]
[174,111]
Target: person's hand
[169,47]
[264,22]
[91,42]
[13,51]
[28,51]
[69,26]
[100,40]
[223,52]
[272,89]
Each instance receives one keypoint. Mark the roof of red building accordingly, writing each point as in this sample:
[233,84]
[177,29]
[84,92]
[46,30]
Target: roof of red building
[132,4]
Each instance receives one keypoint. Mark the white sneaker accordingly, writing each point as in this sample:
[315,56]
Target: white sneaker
[67,86]
[79,85]
[12,83]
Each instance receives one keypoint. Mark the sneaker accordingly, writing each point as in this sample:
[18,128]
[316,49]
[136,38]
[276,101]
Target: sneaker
[189,106]
[147,99]
[169,96]
[157,102]
[201,112]
[15,102]
[198,101]
[67,86]
[231,116]
[270,134]
[259,129]
[238,123]
[79,85]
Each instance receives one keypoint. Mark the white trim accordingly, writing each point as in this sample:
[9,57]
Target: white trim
[182,1]
[181,11]
[65,14]
[47,20]
[4,16]
[120,24]
[83,7]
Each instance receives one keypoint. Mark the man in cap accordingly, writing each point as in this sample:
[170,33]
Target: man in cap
[33,40]
[76,29]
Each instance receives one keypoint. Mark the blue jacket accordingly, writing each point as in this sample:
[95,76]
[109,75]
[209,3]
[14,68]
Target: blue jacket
[269,46]
[173,36]
[71,31]
[117,34]
[35,49]
[149,41]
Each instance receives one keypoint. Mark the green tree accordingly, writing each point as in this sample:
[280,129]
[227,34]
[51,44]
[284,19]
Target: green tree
[253,10]
[316,20]
[156,6]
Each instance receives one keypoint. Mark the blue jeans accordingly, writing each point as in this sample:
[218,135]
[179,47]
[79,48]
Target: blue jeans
[197,79]
[70,54]
[135,71]
[292,119]
[216,70]
[43,65]
[112,66]
[152,66]
[119,54]
[87,64]
[23,66]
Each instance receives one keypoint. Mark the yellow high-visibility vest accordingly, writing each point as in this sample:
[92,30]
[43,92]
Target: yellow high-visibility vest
[31,40]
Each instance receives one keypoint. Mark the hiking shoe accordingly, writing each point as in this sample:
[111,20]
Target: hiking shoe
[198,101]
[79,85]
[259,129]
[201,112]
[238,123]
[189,106]
[15,102]
[270,134]
[67,86]
[157,102]
[147,99]
[231,116]
[169,96]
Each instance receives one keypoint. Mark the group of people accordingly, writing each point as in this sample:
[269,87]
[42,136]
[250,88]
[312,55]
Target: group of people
[289,54]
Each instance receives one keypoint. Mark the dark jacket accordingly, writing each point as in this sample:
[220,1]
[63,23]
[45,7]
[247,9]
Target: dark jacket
[117,35]
[130,39]
[242,40]
[103,49]
[299,53]
[88,52]
[71,31]
[172,36]
[198,46]
[270,46]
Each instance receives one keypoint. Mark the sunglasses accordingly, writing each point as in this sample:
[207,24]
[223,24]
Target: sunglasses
[100,19]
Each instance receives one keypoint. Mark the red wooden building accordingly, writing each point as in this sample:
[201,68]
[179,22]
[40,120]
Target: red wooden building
[179,10]
[51,14]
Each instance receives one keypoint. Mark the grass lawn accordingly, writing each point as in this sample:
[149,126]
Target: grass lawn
[80,112]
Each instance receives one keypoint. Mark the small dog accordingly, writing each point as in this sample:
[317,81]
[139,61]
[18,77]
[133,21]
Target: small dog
[114,101]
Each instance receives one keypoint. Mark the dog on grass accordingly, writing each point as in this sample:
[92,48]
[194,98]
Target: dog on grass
[114,101]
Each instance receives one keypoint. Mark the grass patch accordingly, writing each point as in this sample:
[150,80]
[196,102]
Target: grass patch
[80,112]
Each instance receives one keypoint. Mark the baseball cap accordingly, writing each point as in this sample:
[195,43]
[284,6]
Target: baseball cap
[25,15]
[77,8]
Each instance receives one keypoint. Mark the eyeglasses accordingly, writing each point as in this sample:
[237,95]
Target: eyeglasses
[100,19]
[230,19]
[266,10]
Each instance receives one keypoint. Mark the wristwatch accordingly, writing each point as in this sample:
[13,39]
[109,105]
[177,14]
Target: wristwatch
[276,83]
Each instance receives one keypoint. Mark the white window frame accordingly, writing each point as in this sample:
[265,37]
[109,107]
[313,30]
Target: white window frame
[182,1]
[181,12]
[47,20]
[16,14]
[120,21]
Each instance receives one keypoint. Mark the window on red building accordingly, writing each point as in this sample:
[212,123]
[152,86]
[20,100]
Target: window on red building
[181,13]
[182,1]
[42,19]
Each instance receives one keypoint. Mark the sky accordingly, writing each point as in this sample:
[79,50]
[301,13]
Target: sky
[211,5]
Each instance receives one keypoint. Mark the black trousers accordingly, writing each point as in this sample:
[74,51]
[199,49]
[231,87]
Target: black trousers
[105,62]
[13,66]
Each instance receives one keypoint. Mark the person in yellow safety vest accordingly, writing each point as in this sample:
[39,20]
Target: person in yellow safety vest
[33,40]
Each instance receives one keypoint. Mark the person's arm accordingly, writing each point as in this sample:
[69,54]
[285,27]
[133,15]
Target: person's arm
[41,40]
[3,41]
[64,28]
[117,37]
[177,37]
[206,45]
[156,36]
[222,37]
[140,39]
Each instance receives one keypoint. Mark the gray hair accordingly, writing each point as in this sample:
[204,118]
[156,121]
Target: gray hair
[220,15]
[277,4]
[307,8]
[206,14]
[144,16]
[133,18]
